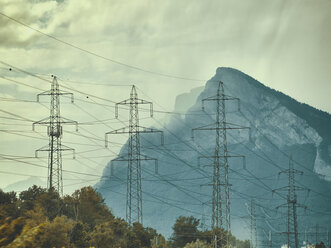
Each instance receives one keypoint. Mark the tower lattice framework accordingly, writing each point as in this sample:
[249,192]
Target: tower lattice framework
[55,132]
[291,205]
[220,194]
[134,157]
[253,229]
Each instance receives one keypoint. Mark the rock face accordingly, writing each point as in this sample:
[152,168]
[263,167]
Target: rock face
[280,127]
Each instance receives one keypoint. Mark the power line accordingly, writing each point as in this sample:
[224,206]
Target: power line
[98,55]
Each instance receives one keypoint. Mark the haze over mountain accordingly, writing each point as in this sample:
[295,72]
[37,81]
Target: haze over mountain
[280,127]
[25,184]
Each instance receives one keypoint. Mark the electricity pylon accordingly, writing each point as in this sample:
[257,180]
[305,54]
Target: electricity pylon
[253,230]
[291,205]
[270,239]
[134,157]
[220,198]
[54,131]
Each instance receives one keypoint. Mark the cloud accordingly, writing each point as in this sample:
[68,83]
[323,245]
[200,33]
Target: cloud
[38,15]
[285,44]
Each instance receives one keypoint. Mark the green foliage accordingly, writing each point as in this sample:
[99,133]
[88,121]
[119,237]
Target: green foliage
[86,205]
[103,236]
[159,242]
[54,234]
[185,231]
[79,235]
[48,200]
[141,237]
[8,205]
[29,197]
[199,243]
[10,229]
[186,234]
[41,218]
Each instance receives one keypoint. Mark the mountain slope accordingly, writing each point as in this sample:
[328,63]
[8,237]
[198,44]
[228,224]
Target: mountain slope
[280,127]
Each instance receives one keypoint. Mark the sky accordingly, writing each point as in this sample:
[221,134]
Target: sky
[98,49]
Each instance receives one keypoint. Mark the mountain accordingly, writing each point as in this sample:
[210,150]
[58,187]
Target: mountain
[25,184]
[280,128]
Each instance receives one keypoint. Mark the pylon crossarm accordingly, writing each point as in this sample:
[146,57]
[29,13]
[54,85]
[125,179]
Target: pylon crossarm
[227,156]
[285,188]
[45,93]
[206,127]
[141,101]
[236,125]
[125,102]
[122,130]
[58,93]
[42,149]
[62,93]
[151,130]
[67,148]
[118,159]
[216,98]
[220,98]
[214,127]
[119,131]
[301,206]
[298,188]
[67,121]
[47,120]
[148,130]
[294,171]
[144,157]
[285,205]
[41,122]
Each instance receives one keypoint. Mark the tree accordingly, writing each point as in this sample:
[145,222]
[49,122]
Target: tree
[140,236]
[28,197]
[102,236]
[198,243]
[48,199]
[10,229]
[8,205]
[185,231]
[159,242]
[51,202]
[54,234]
[79,236]
[87,205]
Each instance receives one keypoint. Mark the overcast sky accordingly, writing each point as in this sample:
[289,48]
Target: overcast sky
[285,44]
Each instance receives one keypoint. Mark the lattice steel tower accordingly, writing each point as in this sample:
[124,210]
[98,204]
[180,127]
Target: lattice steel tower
[253,231]
[291,205]
[54,130]
[134,211]
[220,194]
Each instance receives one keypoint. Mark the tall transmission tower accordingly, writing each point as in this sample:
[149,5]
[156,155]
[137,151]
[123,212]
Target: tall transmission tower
[134,211]
[270,239]
[55,132]
[253,230]
[220,194]
[291,205]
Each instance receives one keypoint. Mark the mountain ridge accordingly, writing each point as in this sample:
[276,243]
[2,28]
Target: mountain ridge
[276,133]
